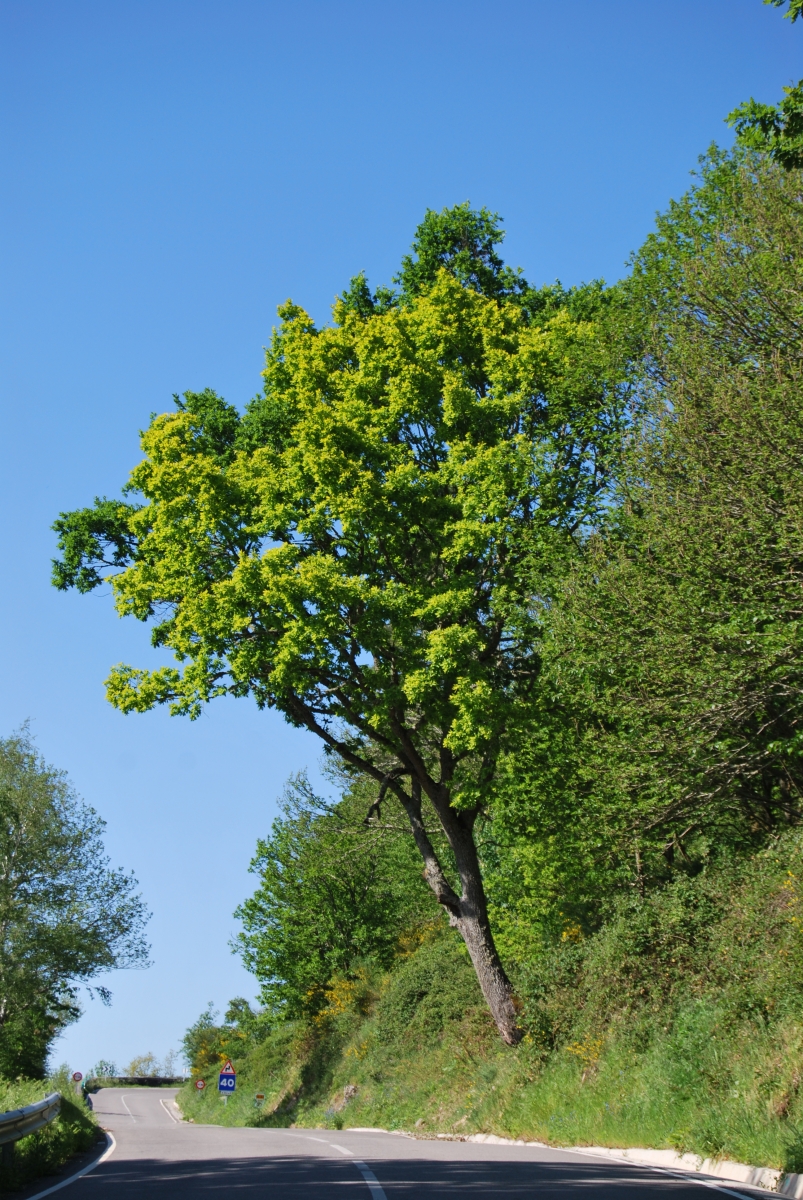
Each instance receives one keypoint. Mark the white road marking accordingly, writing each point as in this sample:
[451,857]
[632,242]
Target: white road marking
[374,1186]
[128,1110]
[687,1177]
[175,1120]
[709,1183]
[109,1150]
[377,1192]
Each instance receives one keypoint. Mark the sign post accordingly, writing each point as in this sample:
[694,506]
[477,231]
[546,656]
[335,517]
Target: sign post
[76,1078]
[226,1080]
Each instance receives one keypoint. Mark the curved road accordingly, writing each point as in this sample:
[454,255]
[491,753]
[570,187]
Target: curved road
[163,1158]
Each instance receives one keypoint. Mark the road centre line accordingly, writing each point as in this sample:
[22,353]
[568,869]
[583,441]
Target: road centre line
[128,1110]
[374,1186]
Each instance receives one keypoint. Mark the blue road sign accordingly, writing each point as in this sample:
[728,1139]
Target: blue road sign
[227,1079]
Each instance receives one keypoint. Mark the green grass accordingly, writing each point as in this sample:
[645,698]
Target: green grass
[46,1151]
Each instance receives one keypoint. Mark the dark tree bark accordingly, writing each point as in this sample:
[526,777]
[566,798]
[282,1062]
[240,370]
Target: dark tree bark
[468,912]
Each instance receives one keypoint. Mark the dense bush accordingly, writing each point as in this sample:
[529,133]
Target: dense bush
[427,992]
[47,1150]
[337,888]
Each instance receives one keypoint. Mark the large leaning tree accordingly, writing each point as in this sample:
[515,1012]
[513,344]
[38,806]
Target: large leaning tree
[358,549]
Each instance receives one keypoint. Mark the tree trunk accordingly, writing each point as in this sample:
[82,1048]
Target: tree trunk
[474,927]
[468,912]
[491,975]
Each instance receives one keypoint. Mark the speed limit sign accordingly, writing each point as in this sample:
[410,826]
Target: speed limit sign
[200,1084]
[77,1076]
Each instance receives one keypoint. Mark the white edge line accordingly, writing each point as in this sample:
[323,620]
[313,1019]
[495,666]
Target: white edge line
[686,1175]
[710,1183]
[175,1120]
[110,1149]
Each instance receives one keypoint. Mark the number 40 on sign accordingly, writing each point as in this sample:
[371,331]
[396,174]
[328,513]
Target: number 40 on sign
[227,1079]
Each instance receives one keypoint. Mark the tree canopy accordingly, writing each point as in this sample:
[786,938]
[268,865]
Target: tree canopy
[65,915]
[666,729]
[775,129]
[359,549]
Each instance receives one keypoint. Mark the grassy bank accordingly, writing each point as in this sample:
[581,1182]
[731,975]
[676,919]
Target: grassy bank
[46,1151]
[703,1086]
[678,1023]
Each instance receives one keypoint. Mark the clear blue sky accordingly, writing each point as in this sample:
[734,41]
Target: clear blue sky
[174,169]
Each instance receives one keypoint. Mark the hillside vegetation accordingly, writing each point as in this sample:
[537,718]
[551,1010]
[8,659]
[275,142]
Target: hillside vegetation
[676,1025]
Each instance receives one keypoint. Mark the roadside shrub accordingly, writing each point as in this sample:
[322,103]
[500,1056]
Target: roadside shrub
[434,987]
[46,1151]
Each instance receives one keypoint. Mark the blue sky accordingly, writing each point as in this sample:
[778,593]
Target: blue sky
[174,170]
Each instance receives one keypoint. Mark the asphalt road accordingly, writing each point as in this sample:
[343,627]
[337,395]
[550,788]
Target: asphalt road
[161,1158]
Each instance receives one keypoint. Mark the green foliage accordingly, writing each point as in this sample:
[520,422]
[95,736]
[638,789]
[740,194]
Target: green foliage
[216,424]
[92,540]
[336,890]
[795,8]
[371,1022]
[149,1065]
[776,129]
[427,992]
[206,1044]
[46,1151]
[388,520]
[357,551]
[65,915]
[730,934]
[666,726]
[462,241]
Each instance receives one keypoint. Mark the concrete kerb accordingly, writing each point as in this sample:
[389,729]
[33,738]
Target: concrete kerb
[668,1160]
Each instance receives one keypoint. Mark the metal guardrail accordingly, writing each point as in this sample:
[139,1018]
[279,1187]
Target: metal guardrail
[22,1121]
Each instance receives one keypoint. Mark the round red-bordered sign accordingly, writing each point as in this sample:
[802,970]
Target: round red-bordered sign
[77,1076]
[200,1084]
